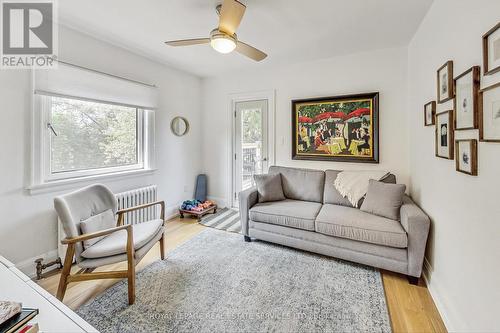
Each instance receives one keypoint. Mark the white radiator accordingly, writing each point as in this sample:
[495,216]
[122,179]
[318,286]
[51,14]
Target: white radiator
[128,199]
[138,197]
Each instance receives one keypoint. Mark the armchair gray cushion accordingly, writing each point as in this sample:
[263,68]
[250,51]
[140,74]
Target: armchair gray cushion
[102,221]
[74,207]
[116,243]
[384,199]
[269,187]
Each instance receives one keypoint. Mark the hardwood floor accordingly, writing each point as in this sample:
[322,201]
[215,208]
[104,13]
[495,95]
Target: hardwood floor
[411,308]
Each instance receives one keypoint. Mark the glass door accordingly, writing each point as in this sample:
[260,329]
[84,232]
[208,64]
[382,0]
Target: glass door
[250,144]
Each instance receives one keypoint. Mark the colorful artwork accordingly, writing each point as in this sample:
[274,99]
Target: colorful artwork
[343,128]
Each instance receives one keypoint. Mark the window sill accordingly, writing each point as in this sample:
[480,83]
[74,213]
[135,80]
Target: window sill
[59,185]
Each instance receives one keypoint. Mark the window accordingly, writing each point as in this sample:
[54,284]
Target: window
[88,124]
[84,137]
[92,135]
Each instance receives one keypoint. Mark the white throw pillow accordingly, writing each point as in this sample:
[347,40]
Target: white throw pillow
[102,221]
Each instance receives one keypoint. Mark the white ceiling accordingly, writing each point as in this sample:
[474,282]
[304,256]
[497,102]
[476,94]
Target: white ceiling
[287,30]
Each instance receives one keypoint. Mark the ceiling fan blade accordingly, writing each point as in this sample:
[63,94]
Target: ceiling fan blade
[250,51]
[187,42]
[231,14]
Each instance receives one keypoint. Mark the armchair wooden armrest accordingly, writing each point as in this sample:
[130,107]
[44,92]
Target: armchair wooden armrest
[84,237]
[122,212]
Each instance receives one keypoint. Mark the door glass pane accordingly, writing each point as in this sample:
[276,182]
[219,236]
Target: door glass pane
[251,145]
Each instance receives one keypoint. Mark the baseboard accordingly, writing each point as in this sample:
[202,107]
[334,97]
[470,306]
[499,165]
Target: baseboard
[28,266]
[450,318]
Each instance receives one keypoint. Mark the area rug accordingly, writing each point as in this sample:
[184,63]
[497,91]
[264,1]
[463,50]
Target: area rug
[216,282]
[225,219]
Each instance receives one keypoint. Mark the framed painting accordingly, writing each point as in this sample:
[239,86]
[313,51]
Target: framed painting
[465,105]
[445,90]
[491,50]
[340,128]
[444,134]
[489,113]
[466,156]
[429,113]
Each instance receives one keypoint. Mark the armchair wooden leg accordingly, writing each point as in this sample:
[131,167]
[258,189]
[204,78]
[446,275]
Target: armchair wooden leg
[162,247]
[131,267]
[63,281]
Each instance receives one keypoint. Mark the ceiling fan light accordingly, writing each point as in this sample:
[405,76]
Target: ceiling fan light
[223,44]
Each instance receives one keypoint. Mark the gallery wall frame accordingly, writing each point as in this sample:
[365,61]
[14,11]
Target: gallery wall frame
[430,113]
[491,56]
[466,156]
[489,113]
[466,101]
[445,134]
[445,88]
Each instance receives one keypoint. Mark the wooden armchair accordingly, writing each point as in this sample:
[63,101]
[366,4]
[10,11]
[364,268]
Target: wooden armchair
[116,244]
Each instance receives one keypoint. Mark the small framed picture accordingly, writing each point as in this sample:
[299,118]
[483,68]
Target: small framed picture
[429,113]
[491,50]
[466,156]
[444,135]
[445,90]
[465,105]
[489,114]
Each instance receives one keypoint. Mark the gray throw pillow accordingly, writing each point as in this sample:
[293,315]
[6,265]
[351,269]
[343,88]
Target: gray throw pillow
[102,221]
[384,199]
[269,187]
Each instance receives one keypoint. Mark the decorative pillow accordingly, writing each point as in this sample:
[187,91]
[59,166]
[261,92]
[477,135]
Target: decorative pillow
[102,221]
[384,199]
[269,187]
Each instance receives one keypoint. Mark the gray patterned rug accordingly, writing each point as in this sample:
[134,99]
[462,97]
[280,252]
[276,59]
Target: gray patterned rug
[216,282]
[225,219]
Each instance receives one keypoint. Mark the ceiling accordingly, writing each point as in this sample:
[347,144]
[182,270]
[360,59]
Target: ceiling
[287,30]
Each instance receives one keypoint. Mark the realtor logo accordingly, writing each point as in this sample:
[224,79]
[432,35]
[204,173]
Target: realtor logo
[28,34]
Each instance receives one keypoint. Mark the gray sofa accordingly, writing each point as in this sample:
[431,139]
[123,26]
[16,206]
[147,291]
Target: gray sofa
[316,218]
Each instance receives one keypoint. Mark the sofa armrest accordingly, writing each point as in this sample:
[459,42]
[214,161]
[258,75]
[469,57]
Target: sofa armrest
[247,200]
[416,224]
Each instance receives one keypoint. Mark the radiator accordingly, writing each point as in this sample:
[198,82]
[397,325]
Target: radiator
[126,199]
[138,197]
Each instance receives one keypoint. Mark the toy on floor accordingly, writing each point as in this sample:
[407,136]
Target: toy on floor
[196,205]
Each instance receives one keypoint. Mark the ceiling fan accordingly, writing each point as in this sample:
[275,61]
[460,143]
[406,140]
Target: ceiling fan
[223,39]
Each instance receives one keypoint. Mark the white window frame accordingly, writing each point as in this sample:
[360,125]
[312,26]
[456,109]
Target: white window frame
[42,178]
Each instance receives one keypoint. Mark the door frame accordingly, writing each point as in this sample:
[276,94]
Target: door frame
[234,98]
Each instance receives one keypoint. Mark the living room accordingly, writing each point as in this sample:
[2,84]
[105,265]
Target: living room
[300,166]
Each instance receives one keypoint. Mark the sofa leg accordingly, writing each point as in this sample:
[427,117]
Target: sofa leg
[413,280]
[247,239]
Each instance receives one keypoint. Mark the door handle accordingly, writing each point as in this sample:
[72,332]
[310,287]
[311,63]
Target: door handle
[264,159]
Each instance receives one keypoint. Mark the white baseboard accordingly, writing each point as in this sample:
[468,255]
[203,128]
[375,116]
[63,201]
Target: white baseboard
[28,266]
[450,318]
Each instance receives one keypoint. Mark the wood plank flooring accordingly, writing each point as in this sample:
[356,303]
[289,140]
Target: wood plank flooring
[411,308]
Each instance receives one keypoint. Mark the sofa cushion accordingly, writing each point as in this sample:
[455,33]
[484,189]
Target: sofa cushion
[269,187]
[332,196]
[116,243]
[301,184]
[384,199]
[289,213]
[352,223]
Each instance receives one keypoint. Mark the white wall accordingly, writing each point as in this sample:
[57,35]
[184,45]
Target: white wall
[464,248]
[28,223]
[382,70]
